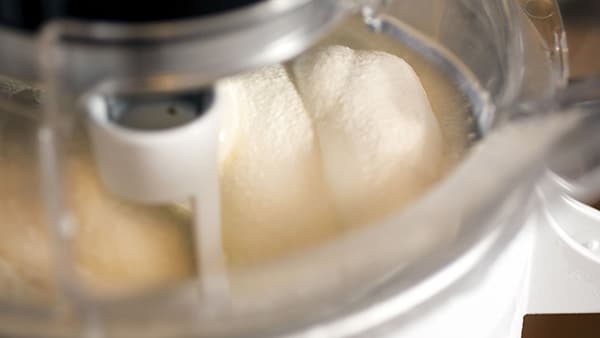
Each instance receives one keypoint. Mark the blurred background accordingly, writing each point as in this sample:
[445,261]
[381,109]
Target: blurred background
[582,20]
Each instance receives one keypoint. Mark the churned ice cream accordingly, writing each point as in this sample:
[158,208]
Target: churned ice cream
[338,138]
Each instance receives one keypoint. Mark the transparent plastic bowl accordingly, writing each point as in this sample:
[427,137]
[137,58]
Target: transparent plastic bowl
[504,56]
